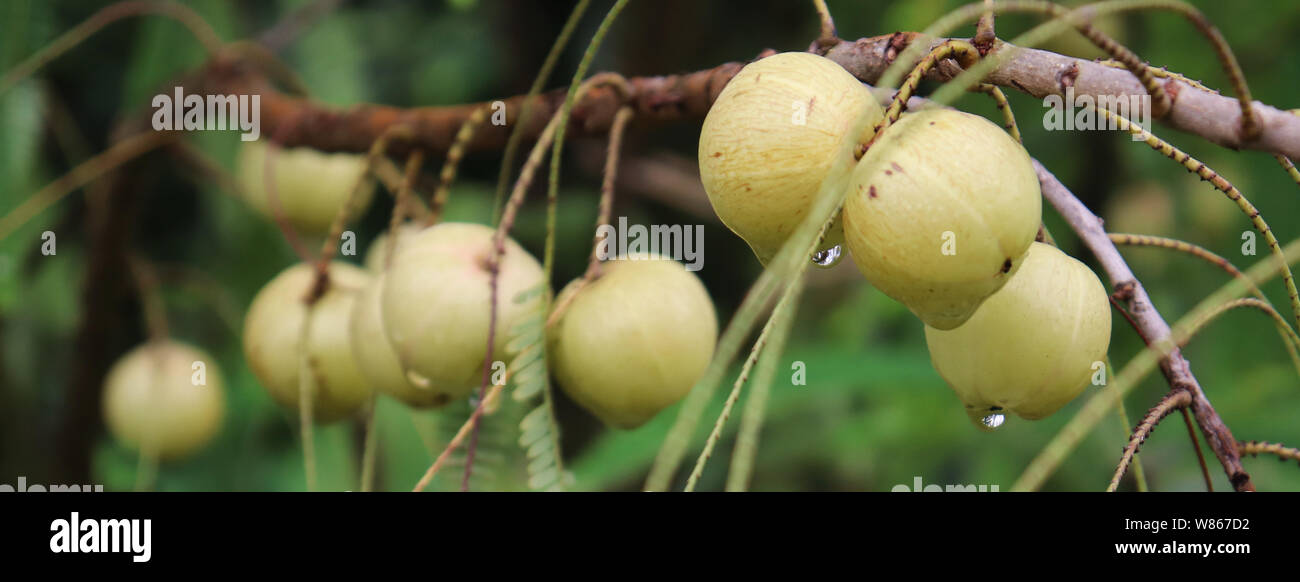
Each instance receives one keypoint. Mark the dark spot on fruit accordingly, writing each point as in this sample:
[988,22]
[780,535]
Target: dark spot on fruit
[758,77]
[889,172]
[717,154]
[484,260]
[1006,266]
[931,123]
[995,408]
[872,191]
[895,166]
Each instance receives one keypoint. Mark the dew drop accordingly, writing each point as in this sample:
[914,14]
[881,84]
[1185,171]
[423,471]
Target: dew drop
[993,421]
[828,258]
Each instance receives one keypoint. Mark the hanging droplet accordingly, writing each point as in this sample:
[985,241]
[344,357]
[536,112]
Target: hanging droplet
[828,258]
[993,421]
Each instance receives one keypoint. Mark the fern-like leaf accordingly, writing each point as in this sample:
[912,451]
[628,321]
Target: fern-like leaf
[538,434]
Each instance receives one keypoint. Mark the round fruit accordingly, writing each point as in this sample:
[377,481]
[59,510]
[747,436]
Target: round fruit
[437,308]
[940,211]
[273,328]
[376,358]
[310,186]
[156,399]
[377,254]
[1034,345]
[633,341]
[781,127]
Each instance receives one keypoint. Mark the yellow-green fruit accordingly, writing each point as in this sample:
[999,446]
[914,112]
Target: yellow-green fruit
[780,127]
[437,309]
[273,330]
[940,211]
[377,254]
[376,358]
[1034,345]
[633,341]
[165,397]
[310,186]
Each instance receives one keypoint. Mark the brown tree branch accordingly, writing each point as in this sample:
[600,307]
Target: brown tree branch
[1039,73]
[687,96]
[1151,325]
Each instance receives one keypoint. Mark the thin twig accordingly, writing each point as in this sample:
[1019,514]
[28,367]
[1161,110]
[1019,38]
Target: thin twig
[492,395]
[526,111]
[759,345]
[751,419]
[454,155]
[603,213]
[985,35]
[202,31]
[402,203]
[120,153]
[1176,399]
[1204,172]
[1284,453]
[1196,446]
[827,38]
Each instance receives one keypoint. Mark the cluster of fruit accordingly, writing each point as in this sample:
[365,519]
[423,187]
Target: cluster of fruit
[941,214]
[629,343]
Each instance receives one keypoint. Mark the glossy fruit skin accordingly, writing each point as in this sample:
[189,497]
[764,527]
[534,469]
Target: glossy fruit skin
[311,186]
[377,359]
[760,168]
[935,172]
[633,341]
[150,396]
[1031,347]
[273,327]
[436,304]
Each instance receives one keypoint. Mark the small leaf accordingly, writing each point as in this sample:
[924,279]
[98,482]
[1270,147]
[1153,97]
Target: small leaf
[532,434]
[543,479]
[530,293]
[524,392]
[537,417]
[526,339]
[540,464]
[541,448]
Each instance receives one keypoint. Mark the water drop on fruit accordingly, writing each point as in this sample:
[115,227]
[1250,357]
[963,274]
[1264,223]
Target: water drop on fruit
[993,421]
[829,257]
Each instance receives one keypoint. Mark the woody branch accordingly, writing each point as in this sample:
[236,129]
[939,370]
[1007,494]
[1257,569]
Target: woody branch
[687,96]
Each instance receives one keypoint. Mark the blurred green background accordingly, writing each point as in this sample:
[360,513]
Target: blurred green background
[873,414]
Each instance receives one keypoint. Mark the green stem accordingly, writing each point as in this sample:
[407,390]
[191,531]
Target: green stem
[525,112]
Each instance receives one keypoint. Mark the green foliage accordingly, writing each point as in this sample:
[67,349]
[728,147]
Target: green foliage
[873,413]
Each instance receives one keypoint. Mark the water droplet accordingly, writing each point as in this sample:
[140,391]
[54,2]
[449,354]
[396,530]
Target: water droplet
[828,258]
[993,421]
